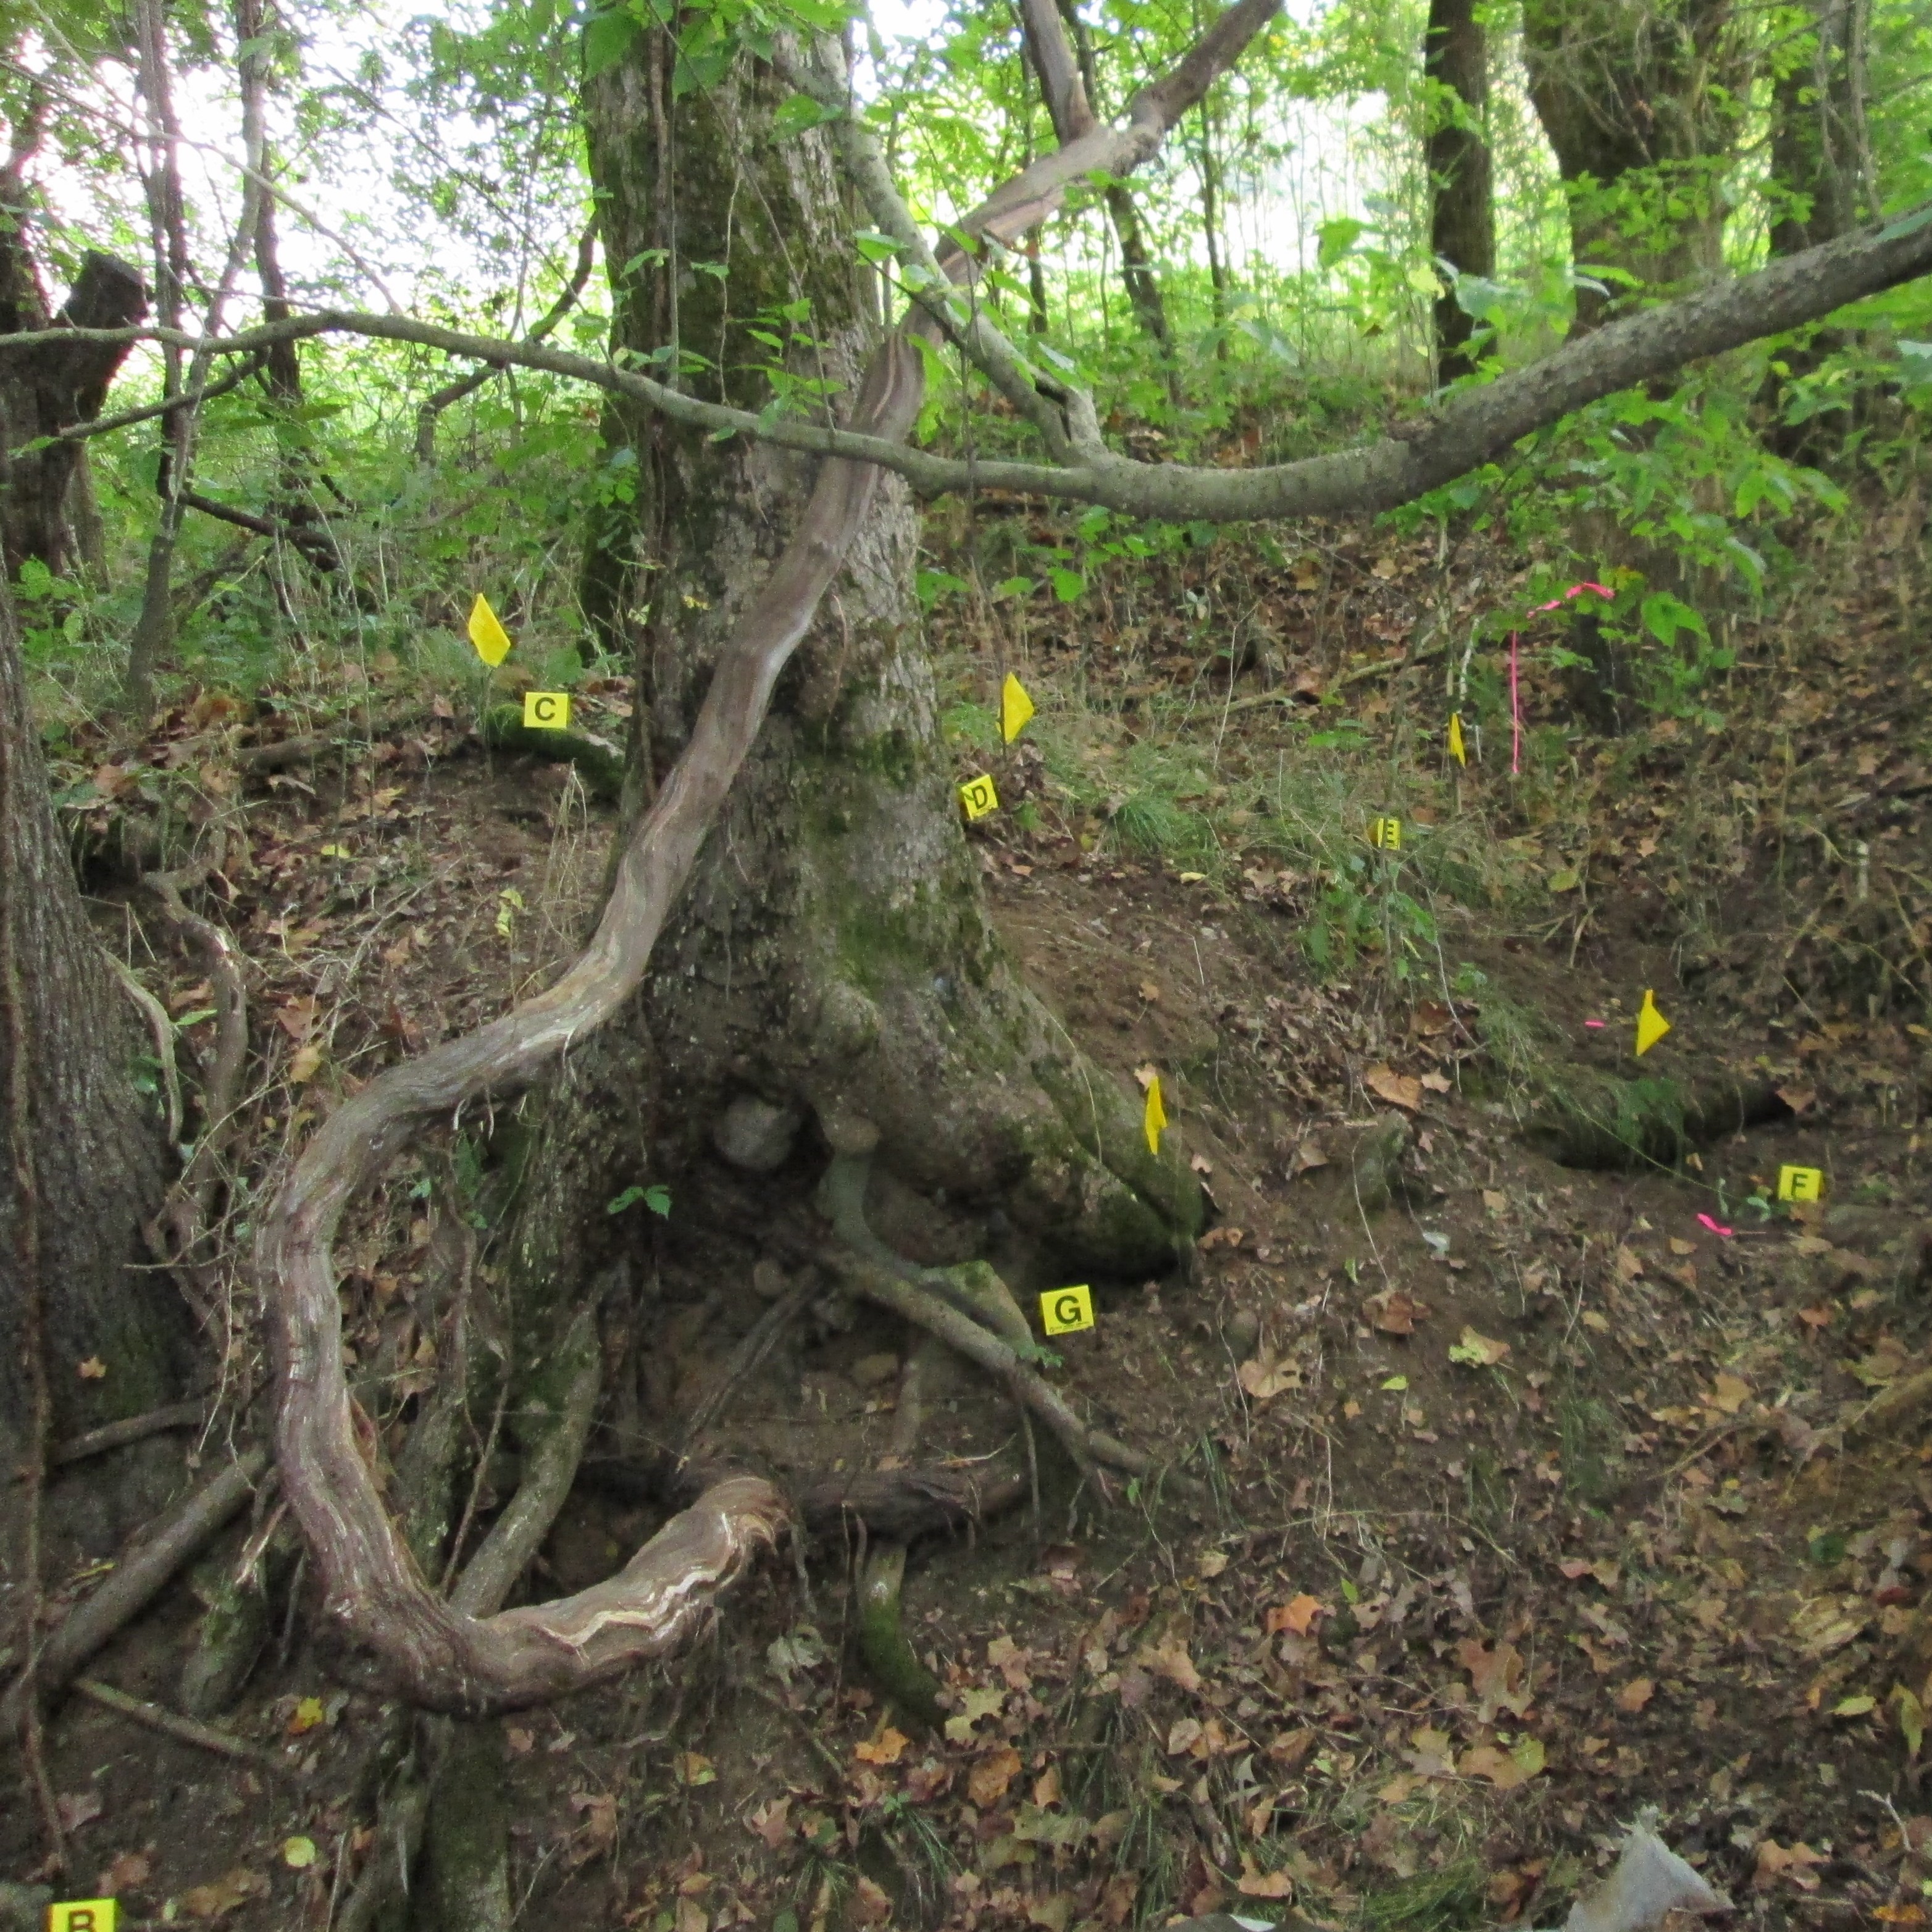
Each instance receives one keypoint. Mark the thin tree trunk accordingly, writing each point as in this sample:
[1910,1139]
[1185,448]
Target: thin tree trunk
[1818,147]
[1639,98]
[1210,228]
[1137,269]
[1461,214]
[96,1141]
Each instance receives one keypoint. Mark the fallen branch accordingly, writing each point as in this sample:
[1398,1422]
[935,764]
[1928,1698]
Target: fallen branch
[183,1730]
[130,1429]
[133,1583]
[922,1308]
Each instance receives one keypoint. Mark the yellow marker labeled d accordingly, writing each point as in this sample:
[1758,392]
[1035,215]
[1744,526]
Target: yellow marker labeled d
[83,1915]
[1456,749]
[977,797]
[1153,1116]
[1062,1310]
[1651,1026]
[1015,708]
[547,710]
[1800,1183]
[486,633]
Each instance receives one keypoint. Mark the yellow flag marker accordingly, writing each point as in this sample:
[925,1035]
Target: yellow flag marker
[1800,1183]
[1153,1117]
[1015,708]
[1064,1310]
[82,1915]
[1385,834]
[978,797]
[1456,750]
[547,710]
[1651,1026]
[486,634]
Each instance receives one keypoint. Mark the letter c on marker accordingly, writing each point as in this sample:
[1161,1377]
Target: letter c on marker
[546,709]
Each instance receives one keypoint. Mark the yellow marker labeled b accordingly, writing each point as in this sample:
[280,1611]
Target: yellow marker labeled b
[82,1915]
[1062,1310]
[1800,1183]
[977,796]
[547,710]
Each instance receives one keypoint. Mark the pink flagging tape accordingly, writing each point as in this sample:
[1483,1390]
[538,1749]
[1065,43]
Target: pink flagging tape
[1516,693]
[1716,1228]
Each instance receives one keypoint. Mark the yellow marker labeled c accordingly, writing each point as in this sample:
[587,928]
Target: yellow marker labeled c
[547,710]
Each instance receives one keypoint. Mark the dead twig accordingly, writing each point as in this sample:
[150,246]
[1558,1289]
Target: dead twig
[183,1730]
[130,1429]
[133,1583]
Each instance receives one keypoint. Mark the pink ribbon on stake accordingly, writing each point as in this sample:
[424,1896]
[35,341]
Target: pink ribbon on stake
[1515,699]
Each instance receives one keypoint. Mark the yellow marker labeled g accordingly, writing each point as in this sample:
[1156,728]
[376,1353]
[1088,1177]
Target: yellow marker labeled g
[1062,1310]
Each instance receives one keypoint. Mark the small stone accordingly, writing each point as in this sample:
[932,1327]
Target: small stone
[768,1279]
[1243,1332]
[756,1135]
[871,1370]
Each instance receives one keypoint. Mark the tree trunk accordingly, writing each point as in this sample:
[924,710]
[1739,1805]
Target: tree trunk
[1462,217]
[832,958]
[1640,99]
[1818,150]
[1137,270]
[93,1142]
[49,388]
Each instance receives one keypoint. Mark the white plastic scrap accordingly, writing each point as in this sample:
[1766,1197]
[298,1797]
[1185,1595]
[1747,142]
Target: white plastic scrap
[1649,1881]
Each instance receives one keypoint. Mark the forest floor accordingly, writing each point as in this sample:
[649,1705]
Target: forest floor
[1528,1496]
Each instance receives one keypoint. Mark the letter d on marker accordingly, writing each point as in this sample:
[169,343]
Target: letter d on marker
[1062,1310]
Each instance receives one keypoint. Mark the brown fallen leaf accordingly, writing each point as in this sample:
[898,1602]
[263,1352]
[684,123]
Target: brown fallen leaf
[1792,1862]
[1729,1393]
[598,1832]
[225,1894]
[772,1821]
[1498,1677]
[1436,1083]
[77,1808]
[1255,1883]
[1296,1615]
[93,1369]
[1637,1693]
[987,1783]
[1264,1380]
[888,1748]
[1170,1659]
[1497,1766]
[871,1904]
[130,1872]
[1398,1089]
[1394,1312]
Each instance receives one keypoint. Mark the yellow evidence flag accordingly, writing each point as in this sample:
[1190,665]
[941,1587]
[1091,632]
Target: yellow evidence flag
[1015,708]
[486,633]
[1651,1026]
[1154,1117]
[1456,750]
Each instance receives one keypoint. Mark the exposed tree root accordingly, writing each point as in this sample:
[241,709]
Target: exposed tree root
[130,1429]
[134,1583]
[895,1667]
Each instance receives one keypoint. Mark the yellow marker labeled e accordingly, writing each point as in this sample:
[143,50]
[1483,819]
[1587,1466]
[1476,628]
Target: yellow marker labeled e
[1385,834]
[1062,1310]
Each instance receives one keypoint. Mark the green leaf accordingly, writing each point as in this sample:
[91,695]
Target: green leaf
[793,117]
[874,247]
[606,38]
[1336,239]
[1068,586]
[656,1198]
